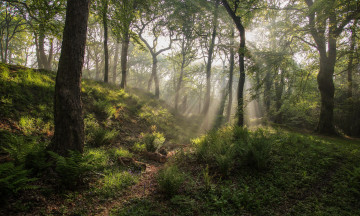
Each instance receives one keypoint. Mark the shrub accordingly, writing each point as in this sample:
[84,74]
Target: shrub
[354,181]
[217,148]
[169,180]
[258,151]
[96,135]
[20,146]
[101,137]
[13,179]
[104,109]
[153,141]
[72,169]
[115,181]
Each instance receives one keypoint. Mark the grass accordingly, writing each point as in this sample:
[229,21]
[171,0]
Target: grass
[302,174]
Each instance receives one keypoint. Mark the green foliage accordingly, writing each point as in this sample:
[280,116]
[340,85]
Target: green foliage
[104,109]
[258,150]
[229,146]
[20,146]
[354,181]
[207,179]
[72,169]
[153,141]
[115,182]
[96,135]
[13,179]
[170,179]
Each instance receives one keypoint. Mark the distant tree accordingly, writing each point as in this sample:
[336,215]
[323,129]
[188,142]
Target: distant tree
[68,112]
[158,28]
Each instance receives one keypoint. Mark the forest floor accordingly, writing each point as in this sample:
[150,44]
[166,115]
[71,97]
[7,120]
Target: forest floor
[268,171]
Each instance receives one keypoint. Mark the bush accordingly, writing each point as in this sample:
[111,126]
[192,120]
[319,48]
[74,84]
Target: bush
[20,146]
[96,135]
[169,180]
[72,169]
[228,146]
[104,109]
[258,151]
[217,148]
[115,181]
[153,141]
[354,181]
[13,179]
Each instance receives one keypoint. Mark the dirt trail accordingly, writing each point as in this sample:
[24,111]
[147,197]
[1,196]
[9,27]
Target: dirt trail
[144,188]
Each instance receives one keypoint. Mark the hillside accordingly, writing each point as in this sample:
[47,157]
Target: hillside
[117,124]
[230,171]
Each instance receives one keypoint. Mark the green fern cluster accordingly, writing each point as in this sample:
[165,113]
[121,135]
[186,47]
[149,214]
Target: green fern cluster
[229,147]
[13,179]
[170,179]
[72,169]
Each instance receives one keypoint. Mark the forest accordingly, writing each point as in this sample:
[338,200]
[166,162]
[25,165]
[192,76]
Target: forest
[179,107]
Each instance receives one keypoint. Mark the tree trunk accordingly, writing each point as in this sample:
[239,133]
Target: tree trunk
[220,114]
[116,57]
[279,87]
[231,74]
[351,59]
[327,90]
[209,61]
[178,87]
[50,57]
[106,48]
[42,55]
[156,80]
[124,54]
[240,111]
[68,112]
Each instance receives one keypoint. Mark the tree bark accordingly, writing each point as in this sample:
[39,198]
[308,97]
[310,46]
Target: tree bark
[124,54]
[68,112]
[209,60]
[106,48]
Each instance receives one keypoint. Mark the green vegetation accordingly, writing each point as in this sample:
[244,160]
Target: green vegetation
[114,122]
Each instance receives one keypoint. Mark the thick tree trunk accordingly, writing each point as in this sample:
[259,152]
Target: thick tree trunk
[68,112]
[106,48]
[209,60]
[231,74]
[327,90]
[124,54]
[116,58]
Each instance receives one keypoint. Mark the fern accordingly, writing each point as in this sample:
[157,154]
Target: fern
[72,169]
[14,179]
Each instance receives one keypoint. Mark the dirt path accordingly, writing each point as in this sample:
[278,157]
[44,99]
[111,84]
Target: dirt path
[144,188]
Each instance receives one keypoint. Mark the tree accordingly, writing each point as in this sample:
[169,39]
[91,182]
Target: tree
[210,57]
[68,116]
[326,22]
[104,11]
[233,13]
[157,28]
